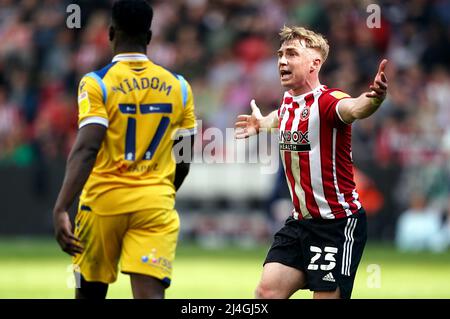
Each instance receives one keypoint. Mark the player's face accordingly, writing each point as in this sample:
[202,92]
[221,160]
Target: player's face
[294,64]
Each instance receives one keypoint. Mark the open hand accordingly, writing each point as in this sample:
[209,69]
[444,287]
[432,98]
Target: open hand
[248,125]
[379,85]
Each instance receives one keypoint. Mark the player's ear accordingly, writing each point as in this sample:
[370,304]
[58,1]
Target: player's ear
[111,33]
[315,65]
[149,36]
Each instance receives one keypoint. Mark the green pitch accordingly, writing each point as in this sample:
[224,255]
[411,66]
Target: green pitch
[35,268]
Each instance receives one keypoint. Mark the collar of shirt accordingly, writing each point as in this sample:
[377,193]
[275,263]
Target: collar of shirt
[301,96]
[130,57]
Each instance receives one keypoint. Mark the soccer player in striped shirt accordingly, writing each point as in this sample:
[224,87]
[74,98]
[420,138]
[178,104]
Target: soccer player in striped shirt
[321,244]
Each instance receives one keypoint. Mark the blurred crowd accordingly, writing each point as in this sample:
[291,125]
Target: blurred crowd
[227,51]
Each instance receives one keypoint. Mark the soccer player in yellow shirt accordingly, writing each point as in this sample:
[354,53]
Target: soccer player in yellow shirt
[131,113]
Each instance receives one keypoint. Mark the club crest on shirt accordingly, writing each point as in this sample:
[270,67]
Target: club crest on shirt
[304,115]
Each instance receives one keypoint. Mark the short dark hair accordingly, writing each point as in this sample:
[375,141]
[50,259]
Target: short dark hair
[133,17]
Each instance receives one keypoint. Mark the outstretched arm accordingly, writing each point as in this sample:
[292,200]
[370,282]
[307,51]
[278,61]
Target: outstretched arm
[79,165]
[248,125]
[367,103]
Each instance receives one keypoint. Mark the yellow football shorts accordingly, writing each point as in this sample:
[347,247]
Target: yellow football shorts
[144,242]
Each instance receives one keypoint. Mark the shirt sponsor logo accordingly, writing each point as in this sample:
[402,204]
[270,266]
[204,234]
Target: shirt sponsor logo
[84,104]
[294,141]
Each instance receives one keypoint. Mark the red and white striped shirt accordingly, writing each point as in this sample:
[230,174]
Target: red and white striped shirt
[315,147]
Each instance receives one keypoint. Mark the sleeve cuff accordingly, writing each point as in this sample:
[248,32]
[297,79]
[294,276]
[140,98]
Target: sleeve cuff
[185,132]
[337,111]
[93,120]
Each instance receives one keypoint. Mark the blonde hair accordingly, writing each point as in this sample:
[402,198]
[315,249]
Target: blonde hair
[312,40]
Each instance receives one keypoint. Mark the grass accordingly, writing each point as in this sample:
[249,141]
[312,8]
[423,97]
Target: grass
[35,268]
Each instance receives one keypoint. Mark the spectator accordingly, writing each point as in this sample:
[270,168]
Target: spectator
[420,227]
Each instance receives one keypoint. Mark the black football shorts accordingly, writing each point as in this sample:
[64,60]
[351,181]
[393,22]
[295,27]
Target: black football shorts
[328,251]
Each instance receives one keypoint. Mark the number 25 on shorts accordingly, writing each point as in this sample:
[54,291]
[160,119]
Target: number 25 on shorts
[329,256]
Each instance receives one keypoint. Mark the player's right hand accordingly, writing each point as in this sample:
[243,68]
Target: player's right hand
[248,125]
[63,233]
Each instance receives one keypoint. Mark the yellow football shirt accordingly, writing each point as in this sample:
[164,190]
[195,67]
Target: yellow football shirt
[143,107]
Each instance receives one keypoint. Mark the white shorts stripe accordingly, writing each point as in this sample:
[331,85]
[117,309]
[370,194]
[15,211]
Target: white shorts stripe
[352,240]
[344,251]
[348,245]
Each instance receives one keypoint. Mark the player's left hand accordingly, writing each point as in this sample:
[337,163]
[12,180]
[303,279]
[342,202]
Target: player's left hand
[379,86]
[63,233]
